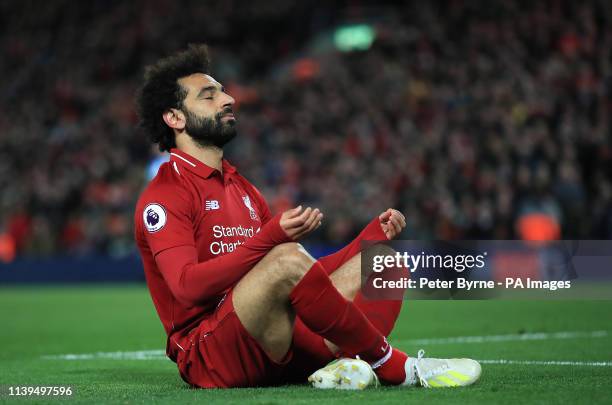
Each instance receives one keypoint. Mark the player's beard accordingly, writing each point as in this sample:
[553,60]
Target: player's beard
[206,131]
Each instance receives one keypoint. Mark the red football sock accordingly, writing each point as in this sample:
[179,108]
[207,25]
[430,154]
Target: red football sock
[308,341]
[381,313]
[381,306]
[392,371]
[371,233]
[327,313]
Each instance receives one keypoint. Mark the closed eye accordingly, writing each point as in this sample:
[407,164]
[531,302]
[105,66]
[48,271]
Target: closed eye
[209,91]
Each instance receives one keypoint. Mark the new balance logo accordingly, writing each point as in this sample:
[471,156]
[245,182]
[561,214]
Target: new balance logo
[212,205]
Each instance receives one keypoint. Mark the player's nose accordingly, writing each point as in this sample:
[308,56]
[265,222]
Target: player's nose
[228,101]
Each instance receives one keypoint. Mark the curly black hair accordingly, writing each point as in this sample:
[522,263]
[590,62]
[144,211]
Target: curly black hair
[161,91]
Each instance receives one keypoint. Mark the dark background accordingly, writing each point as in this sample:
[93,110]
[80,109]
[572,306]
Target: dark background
[477,119]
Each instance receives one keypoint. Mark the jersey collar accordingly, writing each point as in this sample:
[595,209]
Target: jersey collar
[227,167]
[194,165]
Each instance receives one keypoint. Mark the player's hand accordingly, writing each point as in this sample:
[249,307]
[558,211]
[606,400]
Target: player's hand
[298,222]
[392,222]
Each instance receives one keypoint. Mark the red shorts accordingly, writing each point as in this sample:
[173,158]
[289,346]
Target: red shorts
[220,353]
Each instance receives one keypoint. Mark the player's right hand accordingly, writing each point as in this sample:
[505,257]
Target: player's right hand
[392,222]
[298,222]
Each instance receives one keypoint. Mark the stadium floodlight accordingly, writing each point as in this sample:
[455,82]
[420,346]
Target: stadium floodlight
[356,37]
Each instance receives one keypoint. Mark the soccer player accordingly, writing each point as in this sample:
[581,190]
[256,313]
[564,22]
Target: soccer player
[242,303]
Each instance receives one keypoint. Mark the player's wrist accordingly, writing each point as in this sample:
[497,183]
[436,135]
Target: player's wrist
[374,231]
[275,231]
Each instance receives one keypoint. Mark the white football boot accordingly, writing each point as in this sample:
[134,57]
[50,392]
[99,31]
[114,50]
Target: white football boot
[441,373]
[345,374]
[355,374]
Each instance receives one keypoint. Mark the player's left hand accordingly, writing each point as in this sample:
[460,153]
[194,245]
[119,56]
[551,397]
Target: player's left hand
[392,222]
[298,223]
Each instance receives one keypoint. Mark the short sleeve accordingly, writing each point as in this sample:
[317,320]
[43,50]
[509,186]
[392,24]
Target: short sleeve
[167,219]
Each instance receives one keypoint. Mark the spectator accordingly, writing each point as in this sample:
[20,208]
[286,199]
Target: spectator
[464,115]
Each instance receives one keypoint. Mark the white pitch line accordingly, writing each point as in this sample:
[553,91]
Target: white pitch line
[505,338]
[136,355]
[549,363]
[161,354]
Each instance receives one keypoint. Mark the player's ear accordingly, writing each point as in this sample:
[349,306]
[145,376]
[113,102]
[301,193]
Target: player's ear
[174,118]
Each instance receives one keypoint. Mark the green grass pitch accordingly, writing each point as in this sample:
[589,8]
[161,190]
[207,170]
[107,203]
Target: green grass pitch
[44,321]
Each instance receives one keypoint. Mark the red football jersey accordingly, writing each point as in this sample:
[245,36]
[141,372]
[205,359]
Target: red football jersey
[199,231]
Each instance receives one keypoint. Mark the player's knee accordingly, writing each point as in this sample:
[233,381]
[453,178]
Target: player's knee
[283,249]
[292,261]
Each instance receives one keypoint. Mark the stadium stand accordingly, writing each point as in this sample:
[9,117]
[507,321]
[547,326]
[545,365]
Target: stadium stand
[467,116]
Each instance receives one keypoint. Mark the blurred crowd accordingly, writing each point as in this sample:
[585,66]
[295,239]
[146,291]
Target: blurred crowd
[477,119]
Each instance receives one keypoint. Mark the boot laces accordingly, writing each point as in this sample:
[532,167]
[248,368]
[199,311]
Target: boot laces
[424,375]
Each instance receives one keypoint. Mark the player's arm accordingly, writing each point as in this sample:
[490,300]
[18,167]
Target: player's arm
[386,226]
[192,282]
